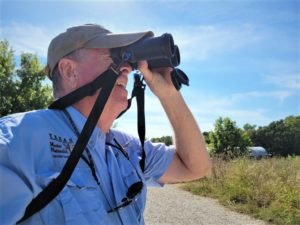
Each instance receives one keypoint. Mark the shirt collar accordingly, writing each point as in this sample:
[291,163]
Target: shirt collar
[79,121]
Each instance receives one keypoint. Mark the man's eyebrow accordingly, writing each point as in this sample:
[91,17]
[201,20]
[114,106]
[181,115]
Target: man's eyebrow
[105,54]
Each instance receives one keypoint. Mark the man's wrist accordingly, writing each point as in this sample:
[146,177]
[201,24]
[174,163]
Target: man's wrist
[170,97]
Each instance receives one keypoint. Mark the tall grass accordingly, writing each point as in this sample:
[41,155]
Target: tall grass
[268,189]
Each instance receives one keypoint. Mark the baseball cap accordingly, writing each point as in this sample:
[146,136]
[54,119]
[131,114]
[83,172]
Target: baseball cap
[87,36]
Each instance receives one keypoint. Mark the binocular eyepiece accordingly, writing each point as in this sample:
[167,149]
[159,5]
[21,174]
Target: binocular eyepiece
[158,51]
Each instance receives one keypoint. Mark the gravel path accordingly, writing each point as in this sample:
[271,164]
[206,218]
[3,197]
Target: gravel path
[173,206]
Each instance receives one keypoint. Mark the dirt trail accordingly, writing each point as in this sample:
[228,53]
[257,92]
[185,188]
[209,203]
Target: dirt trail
[173,206]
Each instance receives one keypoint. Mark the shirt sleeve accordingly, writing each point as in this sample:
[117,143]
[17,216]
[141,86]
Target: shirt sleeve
[158,156]
[158,159]
[14,195]
[15,192]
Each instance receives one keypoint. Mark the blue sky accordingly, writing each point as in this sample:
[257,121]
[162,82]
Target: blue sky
[242,56]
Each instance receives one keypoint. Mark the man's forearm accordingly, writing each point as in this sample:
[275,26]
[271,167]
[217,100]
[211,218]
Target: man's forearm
[189,141]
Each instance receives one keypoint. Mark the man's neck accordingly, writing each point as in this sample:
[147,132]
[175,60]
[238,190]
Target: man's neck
[107,116]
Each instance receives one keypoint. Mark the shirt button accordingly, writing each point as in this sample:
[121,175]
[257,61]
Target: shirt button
[92,142]
[100,135]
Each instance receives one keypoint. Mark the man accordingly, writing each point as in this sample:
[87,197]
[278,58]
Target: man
[34,146]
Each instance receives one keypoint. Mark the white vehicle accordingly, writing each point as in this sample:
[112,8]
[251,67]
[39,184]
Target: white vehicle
[258,152]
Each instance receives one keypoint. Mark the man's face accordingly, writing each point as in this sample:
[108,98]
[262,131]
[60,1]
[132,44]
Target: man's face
[96,61]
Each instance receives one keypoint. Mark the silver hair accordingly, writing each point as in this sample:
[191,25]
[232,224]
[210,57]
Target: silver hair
[57,83]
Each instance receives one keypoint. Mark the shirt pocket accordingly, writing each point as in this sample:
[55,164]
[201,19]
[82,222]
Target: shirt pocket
[81,200]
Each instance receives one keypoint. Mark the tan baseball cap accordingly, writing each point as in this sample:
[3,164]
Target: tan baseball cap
[87,36]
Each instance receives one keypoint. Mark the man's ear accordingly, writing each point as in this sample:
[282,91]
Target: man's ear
[67,71]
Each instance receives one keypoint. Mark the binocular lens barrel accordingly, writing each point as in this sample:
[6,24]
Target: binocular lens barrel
[146,49]
[166,62]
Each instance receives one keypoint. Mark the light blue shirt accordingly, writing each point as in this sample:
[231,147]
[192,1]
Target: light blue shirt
[34,147]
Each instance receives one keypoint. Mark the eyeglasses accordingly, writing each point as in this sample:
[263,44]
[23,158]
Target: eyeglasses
[133,190]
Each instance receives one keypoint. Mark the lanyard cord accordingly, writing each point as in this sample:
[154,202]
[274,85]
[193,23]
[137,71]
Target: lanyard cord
[90,162]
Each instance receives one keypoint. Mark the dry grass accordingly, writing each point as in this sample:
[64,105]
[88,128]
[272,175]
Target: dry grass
[268,189]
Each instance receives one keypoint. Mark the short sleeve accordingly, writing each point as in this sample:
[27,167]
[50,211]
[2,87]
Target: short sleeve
[158,156]
[14,196]
[158,159]
[15,193]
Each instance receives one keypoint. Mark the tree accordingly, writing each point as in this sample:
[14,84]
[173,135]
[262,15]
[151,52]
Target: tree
[164,139]
[293,125]
[7,88]
[206,137]
[280,137]
[21,89]
[228,139]
[250,130]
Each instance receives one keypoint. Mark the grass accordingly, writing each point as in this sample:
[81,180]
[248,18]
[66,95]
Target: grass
[268,189]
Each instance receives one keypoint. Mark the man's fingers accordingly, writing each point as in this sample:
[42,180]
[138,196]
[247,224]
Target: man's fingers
[162,70]
[143,68]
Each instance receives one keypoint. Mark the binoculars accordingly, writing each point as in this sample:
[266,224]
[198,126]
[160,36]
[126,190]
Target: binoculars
[158,51]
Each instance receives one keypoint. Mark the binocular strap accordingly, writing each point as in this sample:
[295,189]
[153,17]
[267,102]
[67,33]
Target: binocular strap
[139,92]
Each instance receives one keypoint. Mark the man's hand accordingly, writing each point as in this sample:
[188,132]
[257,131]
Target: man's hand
[159,80]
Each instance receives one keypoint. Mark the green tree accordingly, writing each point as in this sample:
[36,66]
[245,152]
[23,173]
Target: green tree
[164,139]
[21,89]
[280,137]
[7,79]
[250,130]
[228,139]
[293,124]
[206,137]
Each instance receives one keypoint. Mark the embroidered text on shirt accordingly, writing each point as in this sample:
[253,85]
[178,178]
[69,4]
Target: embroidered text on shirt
[60,146]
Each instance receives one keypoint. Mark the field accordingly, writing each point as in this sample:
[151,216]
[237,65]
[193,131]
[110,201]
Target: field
[268,189]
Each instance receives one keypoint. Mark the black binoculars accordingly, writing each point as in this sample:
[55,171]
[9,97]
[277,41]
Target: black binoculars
[158,51]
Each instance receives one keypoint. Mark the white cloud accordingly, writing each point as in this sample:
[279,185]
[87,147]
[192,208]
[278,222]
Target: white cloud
[288,81]
[208,107]
[207,119]
[203,42]
[24,37]
[279,95]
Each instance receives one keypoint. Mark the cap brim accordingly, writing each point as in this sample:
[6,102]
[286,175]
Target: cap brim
[110,40]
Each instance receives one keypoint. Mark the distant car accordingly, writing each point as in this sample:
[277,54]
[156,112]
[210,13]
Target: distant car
[258,152]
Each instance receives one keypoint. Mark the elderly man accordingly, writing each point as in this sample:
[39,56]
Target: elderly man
[34,146]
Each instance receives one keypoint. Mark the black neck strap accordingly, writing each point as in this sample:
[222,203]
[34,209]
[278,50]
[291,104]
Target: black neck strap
[139,92]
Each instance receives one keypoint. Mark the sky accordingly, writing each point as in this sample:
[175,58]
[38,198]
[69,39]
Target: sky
[242,56]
